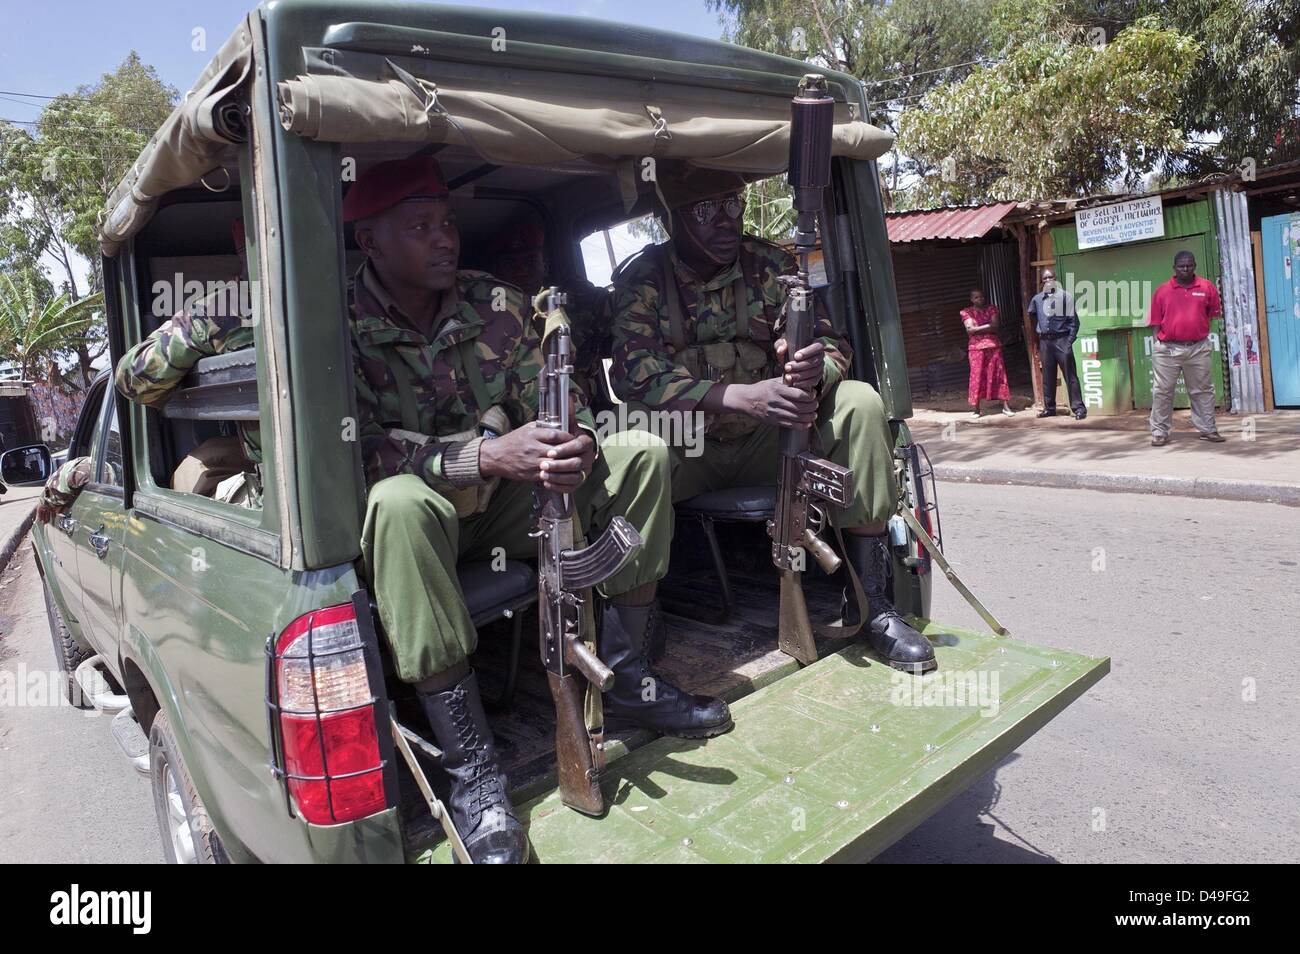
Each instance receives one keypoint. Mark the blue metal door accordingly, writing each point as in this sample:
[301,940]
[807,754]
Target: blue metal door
[1280,235]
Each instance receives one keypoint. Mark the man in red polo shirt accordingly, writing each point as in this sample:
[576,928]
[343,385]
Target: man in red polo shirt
[1181,310]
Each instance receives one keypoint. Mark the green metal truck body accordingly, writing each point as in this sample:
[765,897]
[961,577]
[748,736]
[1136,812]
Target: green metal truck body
[181,600]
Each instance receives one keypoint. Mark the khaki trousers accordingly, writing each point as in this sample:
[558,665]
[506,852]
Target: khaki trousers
[1195,361]
[412,541]
[854,433]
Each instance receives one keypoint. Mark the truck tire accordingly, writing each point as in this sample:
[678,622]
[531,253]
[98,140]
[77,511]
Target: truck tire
[187,834]
[68,652]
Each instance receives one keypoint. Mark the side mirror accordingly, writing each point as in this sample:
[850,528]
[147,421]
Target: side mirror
[25,466]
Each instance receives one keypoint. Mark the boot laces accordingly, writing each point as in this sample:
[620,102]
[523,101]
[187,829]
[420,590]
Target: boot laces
[643,648]
[482,782]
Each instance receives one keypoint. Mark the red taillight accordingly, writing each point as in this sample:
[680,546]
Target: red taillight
[925,506]
[922,555]
[327,718]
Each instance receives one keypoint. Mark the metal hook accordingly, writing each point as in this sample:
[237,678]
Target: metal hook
[229,181]
[660,130]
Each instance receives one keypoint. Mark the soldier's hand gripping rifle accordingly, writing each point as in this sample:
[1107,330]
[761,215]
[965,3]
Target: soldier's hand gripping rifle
[806,483]
[565,577]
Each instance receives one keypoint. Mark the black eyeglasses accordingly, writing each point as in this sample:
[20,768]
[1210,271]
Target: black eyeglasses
[706,210]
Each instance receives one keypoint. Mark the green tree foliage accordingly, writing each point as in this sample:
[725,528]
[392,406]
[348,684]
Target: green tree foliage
[55,180]
[903,48]
[769,209]
[1035,98]
[1062,114]
[1242,98]
[1242,101]
[33,324]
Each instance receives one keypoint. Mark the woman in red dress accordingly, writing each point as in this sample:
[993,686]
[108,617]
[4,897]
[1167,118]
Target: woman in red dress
[988,374]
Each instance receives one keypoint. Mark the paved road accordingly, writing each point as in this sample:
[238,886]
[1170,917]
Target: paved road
[1198,601]
[66,792]
[1163,761]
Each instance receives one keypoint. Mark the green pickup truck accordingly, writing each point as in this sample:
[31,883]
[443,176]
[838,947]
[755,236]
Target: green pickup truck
[167,606]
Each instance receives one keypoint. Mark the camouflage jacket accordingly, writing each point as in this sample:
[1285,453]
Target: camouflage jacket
[480,318]
[643,370]
[64,485]
[152,369]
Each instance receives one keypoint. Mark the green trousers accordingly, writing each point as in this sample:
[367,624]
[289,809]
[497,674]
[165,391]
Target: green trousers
[854,433]
[412,541]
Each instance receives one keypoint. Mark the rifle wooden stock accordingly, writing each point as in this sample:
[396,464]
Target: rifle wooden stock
[794,635]
[573,757]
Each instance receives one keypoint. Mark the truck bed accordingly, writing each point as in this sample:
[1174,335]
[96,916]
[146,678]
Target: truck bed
[803,740]
[730,660]
[824,765]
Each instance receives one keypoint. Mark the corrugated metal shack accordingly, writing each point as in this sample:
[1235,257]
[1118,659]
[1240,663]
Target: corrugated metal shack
[939,255]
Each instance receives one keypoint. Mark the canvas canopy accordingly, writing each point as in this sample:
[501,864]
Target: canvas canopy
[508,118]
[522,123]
[192,142]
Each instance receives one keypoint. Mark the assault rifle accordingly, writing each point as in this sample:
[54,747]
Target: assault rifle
[566,573]
[806,483]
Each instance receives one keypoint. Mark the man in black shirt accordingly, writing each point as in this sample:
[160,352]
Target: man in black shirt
[1053,312]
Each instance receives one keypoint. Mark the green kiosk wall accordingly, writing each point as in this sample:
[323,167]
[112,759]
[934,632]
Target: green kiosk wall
[1112,288]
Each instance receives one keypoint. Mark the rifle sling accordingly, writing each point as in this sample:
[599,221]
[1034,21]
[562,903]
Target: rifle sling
[467,368]
[405,393]
[858,593]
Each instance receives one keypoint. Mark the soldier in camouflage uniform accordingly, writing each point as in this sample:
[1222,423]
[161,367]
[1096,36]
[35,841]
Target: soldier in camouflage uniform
[679,347]
[150,371]
[447,366]
[63,487]
[518,255]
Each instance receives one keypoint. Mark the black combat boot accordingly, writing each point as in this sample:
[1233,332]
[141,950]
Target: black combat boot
[639,694]
[887,632]
[657,644]
[479,803]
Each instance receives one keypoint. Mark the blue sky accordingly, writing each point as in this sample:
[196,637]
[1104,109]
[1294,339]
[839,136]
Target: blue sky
[53,46]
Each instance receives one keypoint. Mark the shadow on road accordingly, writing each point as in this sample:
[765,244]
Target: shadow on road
[968,829]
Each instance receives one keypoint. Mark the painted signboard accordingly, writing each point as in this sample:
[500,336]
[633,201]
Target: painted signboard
[1130,221]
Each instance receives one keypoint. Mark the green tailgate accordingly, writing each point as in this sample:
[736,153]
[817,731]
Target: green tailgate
[835,762]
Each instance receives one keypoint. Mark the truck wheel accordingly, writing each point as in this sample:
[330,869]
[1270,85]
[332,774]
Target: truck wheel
[187,834]
[67,651]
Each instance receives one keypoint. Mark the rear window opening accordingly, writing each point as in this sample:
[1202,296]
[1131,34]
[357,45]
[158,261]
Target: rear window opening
[589,234]
[189,259]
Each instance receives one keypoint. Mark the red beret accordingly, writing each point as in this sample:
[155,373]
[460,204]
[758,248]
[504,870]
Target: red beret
[237,234]
[384,185]
[517,239]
